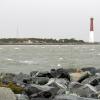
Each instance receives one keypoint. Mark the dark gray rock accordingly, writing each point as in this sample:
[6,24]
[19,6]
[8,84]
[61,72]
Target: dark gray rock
[40,80]
[62,73]
[44,74]
[92,70]
[59,73]
[29,90]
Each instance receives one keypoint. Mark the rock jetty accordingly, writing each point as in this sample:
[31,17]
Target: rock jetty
[56,84]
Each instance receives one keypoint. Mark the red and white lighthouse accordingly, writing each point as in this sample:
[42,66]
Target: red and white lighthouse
[91,34]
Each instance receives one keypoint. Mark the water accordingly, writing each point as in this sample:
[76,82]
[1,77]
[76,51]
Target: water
[25,58]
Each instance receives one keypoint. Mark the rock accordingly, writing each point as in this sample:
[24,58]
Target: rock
[98,70]
[62,73]
[70,70]
[20,78]
[44,94]
[71,97]
[73,86]
[93,80]
[60,84]
[6,77]
[97,87]
[59,73]
[44,91]
[6,94]
[97,74]
[40,80]
[76,76]
[33,73]
[22,97]
[84,90]
[92,70]
[44,74]
[84,76]
[41,99]
[29,90]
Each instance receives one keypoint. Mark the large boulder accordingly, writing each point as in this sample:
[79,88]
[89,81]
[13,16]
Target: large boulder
[6,94]
[43,91]
[83,90]
[62,73]
[29,90]
[60,84]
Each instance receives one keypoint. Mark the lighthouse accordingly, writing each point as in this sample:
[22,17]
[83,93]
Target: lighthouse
[91,34]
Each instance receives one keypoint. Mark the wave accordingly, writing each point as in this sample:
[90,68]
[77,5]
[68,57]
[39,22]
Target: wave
[92,49]
[16,48]
[27,62]
[21,61]
[9,59]
[61,58]
[1,48]
[42,47]
[59,65]
[98,54]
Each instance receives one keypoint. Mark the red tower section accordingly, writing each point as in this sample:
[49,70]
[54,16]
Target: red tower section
[91,24]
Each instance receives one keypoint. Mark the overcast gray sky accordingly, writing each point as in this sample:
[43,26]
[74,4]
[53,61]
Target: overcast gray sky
[49,18]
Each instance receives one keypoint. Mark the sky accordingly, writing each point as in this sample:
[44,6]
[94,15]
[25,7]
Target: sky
[49,18]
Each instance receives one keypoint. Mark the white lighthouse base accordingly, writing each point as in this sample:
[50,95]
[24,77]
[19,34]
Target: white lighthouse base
[91,37]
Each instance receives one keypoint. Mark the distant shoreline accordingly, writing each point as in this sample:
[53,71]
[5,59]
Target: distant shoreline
[41,41]
[51,44]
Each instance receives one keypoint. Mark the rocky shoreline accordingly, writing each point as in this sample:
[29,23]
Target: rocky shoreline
[56,84]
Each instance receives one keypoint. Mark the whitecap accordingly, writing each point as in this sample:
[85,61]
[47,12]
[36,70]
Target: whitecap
[17,48]
[42,47]
[1,48]
[92,49]
[61,58]
[3,68]
[27,62]
[9,59]
[59,47]
[59,65]
[98,54]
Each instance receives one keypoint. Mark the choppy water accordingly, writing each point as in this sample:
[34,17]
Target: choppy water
[25,58]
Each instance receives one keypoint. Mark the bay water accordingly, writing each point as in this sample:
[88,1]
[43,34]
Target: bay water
[27,58]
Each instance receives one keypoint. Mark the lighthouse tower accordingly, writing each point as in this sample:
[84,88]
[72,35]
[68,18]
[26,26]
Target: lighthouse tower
[91,34]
